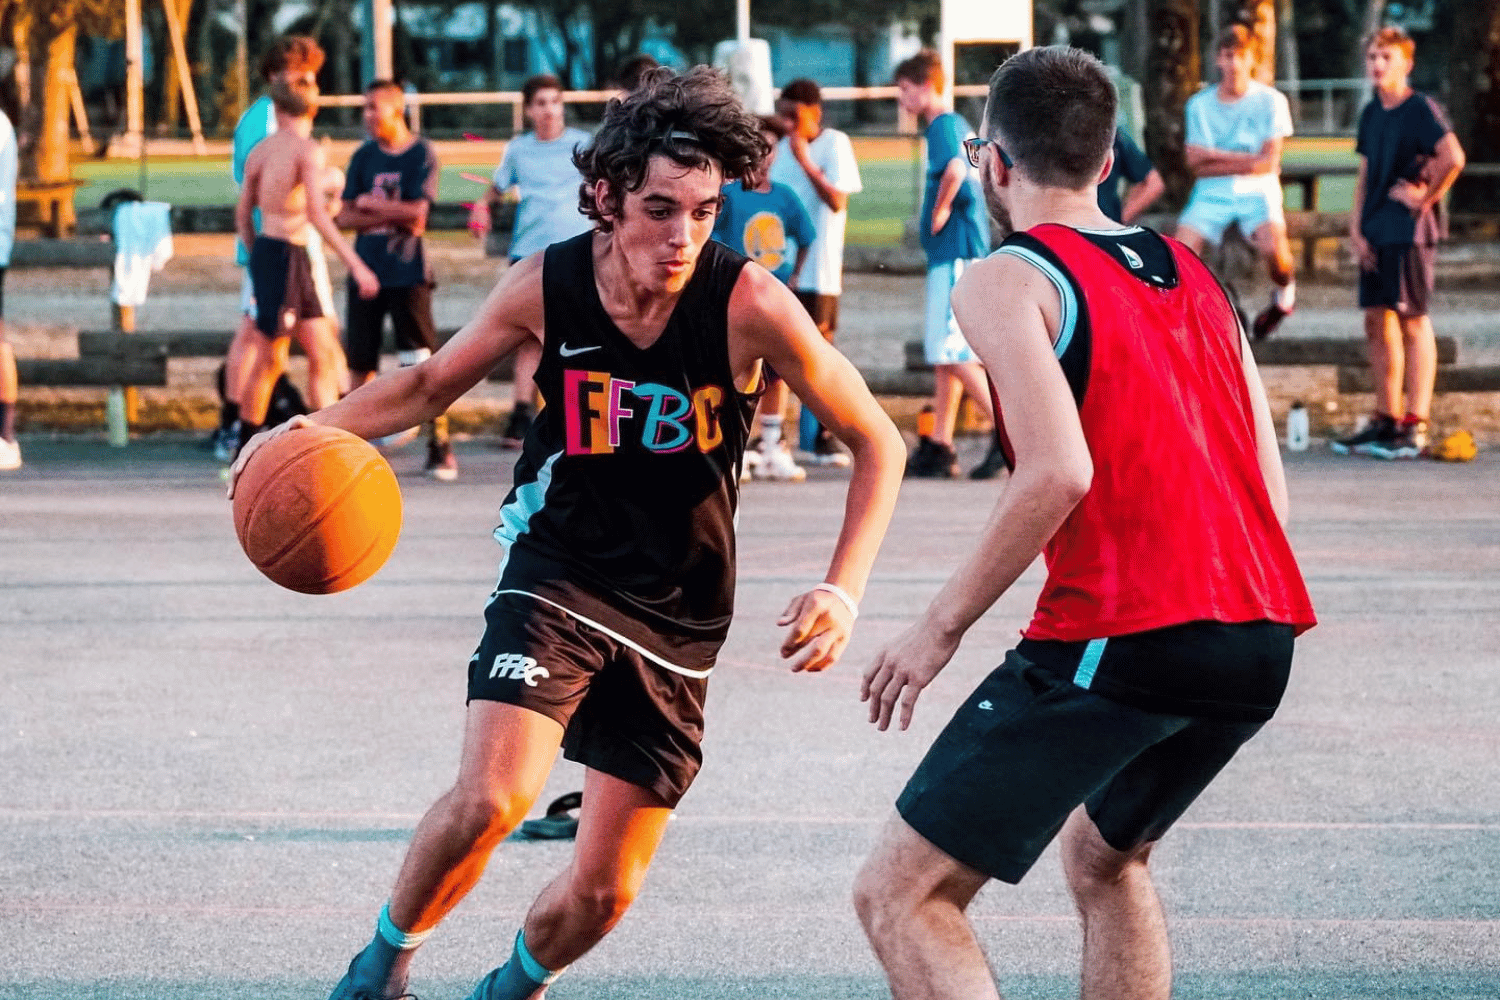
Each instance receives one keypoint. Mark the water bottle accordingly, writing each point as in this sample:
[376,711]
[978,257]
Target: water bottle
[1296,427]
[114,418]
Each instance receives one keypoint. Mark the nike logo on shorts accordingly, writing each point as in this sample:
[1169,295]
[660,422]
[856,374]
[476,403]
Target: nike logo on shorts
[569,352]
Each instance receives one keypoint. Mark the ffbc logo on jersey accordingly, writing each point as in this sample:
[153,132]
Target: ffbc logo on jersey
[600,410]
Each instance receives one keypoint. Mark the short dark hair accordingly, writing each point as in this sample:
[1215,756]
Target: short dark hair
[1236,37]
[536,84]
[291,52]
[774,124]
[294,98]
[377,85]
[694,119]
[923,68]
[1052,109]
[803,91]
[629,74]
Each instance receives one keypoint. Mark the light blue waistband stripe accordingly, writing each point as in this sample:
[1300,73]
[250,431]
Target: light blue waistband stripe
[1089,662]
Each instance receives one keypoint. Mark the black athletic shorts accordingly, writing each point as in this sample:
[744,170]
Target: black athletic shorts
[410,310]
[281,277]
[824,310]
[623,715]
[1030,745]
[2,299]
[1402,280]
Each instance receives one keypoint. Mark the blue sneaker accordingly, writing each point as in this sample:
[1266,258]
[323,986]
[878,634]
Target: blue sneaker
[346,990]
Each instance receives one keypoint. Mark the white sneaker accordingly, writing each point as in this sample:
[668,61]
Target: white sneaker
[398,440]
[776,464]
[10,455]
[749,463]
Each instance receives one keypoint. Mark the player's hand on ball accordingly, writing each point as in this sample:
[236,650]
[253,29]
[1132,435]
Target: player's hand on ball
[901,671]
[820,626]
[255,442]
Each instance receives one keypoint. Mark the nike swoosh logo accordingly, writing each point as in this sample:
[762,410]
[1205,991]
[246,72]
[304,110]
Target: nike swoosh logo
[569,352]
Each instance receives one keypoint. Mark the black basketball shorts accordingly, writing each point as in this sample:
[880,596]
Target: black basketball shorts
[281,277]
[622,714]
[410,310]
[1029,745]
[1402,281]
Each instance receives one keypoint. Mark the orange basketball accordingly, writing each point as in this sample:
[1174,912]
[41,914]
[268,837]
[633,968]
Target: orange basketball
[317,510]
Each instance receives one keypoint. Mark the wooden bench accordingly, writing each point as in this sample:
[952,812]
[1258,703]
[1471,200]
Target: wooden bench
[215,344]
[120,360]
[53,202]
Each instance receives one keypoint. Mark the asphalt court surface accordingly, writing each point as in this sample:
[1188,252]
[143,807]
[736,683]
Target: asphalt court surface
[209,782]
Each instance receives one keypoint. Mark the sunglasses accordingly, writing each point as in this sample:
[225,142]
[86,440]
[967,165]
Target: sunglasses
[973,147]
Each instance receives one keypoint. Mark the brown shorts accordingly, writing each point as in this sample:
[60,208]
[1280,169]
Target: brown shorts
[281,276]
[622,714]
[1402,280]
[824,310]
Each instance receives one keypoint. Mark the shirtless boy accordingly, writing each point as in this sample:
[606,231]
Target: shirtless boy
[280,172]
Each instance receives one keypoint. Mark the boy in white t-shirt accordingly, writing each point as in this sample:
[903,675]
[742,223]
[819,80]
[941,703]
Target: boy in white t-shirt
[818,163]
[1234,137]
[537,171]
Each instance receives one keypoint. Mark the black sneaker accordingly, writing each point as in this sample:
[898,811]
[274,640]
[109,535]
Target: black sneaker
[930,460]
[991,466]
[826,450]
[1380,430]
[516,427]
[1409,441]
[441,463]
[1267,321]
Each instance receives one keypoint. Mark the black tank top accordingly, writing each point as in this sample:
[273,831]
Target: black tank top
[625,493]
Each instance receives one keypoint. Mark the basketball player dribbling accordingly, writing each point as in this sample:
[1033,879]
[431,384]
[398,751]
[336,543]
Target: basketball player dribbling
[616,588]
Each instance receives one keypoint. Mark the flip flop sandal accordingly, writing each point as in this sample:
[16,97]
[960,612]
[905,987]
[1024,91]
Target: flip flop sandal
[560,823]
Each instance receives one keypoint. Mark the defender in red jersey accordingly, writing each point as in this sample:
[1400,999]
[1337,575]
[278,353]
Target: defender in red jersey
[1145,469]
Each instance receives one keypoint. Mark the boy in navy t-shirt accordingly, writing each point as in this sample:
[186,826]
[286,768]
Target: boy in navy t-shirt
[766,221]
[1408,158]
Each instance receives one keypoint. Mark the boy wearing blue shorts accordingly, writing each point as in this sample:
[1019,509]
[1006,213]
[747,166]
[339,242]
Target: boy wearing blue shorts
[1234,137]
[954,232]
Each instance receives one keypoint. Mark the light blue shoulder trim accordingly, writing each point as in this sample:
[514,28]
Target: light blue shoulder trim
[516,516]
[1069,319]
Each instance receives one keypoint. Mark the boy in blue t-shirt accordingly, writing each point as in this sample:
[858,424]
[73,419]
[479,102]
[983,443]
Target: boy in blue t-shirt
[1408,158]
[954,230]
[767,222]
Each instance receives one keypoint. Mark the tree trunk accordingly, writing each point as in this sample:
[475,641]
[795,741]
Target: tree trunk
[1174,72]
[1286,56]
[1474,86]
[52,136]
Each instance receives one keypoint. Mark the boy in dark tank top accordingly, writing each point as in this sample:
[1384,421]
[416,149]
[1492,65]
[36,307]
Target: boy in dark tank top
[616,586]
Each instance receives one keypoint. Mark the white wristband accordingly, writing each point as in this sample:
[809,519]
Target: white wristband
[841,594]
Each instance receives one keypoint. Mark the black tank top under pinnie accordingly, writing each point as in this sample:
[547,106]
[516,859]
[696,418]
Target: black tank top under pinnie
[626,490]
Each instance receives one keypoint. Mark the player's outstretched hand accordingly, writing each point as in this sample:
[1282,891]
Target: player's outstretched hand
[900,672]
[258,440]
[819,628]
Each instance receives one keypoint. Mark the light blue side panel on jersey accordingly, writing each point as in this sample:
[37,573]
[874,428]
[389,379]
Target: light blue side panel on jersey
[1064,287]
[1089,662]
[516,516]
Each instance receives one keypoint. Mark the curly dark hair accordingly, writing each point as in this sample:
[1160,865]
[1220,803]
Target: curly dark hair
[695,119]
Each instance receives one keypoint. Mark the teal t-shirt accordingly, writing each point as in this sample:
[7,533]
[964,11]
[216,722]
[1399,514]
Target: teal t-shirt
[966,235]
[767,226]
[258,121]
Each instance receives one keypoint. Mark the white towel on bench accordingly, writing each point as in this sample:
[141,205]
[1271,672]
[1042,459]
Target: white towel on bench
[143,245]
